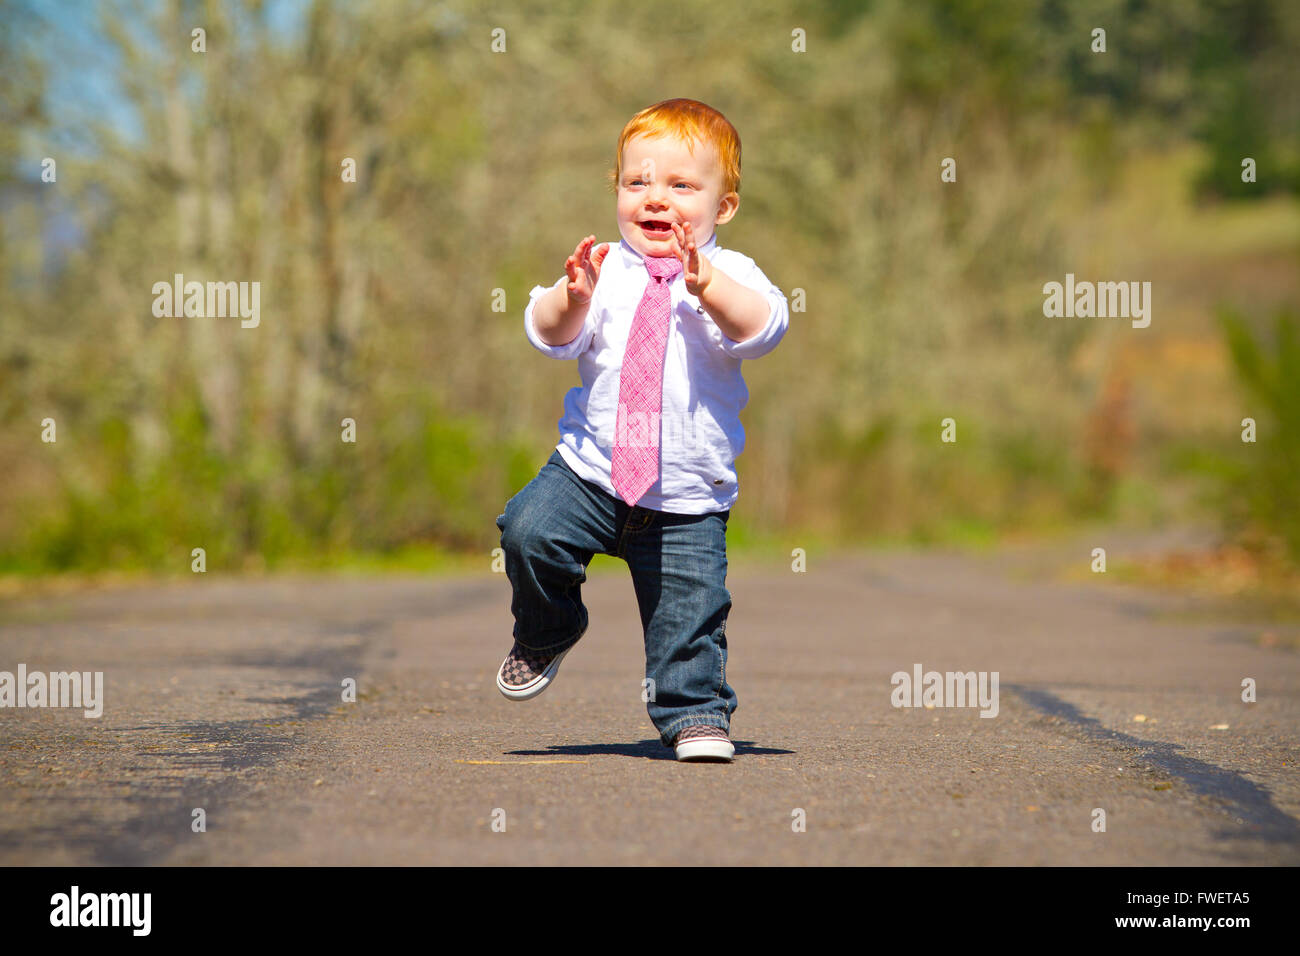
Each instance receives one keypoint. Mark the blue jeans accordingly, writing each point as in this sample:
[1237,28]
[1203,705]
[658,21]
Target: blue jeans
[552,529]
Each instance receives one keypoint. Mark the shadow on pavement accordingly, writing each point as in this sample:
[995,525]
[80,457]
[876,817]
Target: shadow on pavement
[1244,800]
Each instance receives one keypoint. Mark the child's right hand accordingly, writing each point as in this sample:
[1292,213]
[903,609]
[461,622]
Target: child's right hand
[583,269]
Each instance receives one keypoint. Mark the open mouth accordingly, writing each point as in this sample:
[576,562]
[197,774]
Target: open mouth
[656,228]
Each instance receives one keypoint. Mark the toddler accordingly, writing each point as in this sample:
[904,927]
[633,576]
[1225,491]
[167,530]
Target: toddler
[645,465]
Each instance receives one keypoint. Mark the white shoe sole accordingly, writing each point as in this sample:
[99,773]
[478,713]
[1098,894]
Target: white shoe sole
[534,686]
[706,748]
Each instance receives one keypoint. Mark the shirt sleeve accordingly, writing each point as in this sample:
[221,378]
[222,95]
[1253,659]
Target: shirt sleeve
[748,274]
[571,350]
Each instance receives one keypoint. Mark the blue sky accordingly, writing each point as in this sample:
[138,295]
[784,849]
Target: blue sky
[81,63]
[81,68]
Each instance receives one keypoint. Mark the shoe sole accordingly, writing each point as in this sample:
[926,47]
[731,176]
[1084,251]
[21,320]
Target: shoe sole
[711,749]
[536,685]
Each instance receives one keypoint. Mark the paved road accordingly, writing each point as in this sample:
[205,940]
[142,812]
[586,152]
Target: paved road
[225,695]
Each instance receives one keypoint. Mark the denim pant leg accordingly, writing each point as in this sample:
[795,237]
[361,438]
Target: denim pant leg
[550,531]
[679,571]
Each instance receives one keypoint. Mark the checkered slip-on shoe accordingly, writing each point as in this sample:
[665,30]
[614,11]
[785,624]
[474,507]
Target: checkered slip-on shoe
[703,742]
[526,673]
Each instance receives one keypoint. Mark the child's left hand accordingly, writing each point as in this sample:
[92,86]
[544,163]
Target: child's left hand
[696,269]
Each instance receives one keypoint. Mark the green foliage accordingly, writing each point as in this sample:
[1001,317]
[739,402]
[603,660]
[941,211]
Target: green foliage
[1234,130]
[1260,481]
[434,485]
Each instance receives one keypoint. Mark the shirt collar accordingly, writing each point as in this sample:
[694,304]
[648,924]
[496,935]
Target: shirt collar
[633,258]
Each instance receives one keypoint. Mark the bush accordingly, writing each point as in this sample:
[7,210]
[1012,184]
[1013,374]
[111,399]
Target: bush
[1261,483]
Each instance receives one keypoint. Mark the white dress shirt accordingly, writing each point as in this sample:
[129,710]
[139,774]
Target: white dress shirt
[703,393]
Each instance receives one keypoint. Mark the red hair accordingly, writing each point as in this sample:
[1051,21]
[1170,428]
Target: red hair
[690,121]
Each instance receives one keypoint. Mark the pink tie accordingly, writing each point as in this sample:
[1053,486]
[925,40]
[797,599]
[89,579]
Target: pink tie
[641,385]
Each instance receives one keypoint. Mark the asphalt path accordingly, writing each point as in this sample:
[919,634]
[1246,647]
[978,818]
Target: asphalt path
[226,696]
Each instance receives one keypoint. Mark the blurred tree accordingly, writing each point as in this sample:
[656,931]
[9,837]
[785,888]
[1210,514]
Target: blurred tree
[477,171]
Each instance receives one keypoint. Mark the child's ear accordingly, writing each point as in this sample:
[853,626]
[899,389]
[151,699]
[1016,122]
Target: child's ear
[727,207]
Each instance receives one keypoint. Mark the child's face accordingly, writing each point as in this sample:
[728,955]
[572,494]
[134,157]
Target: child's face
[663,183]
